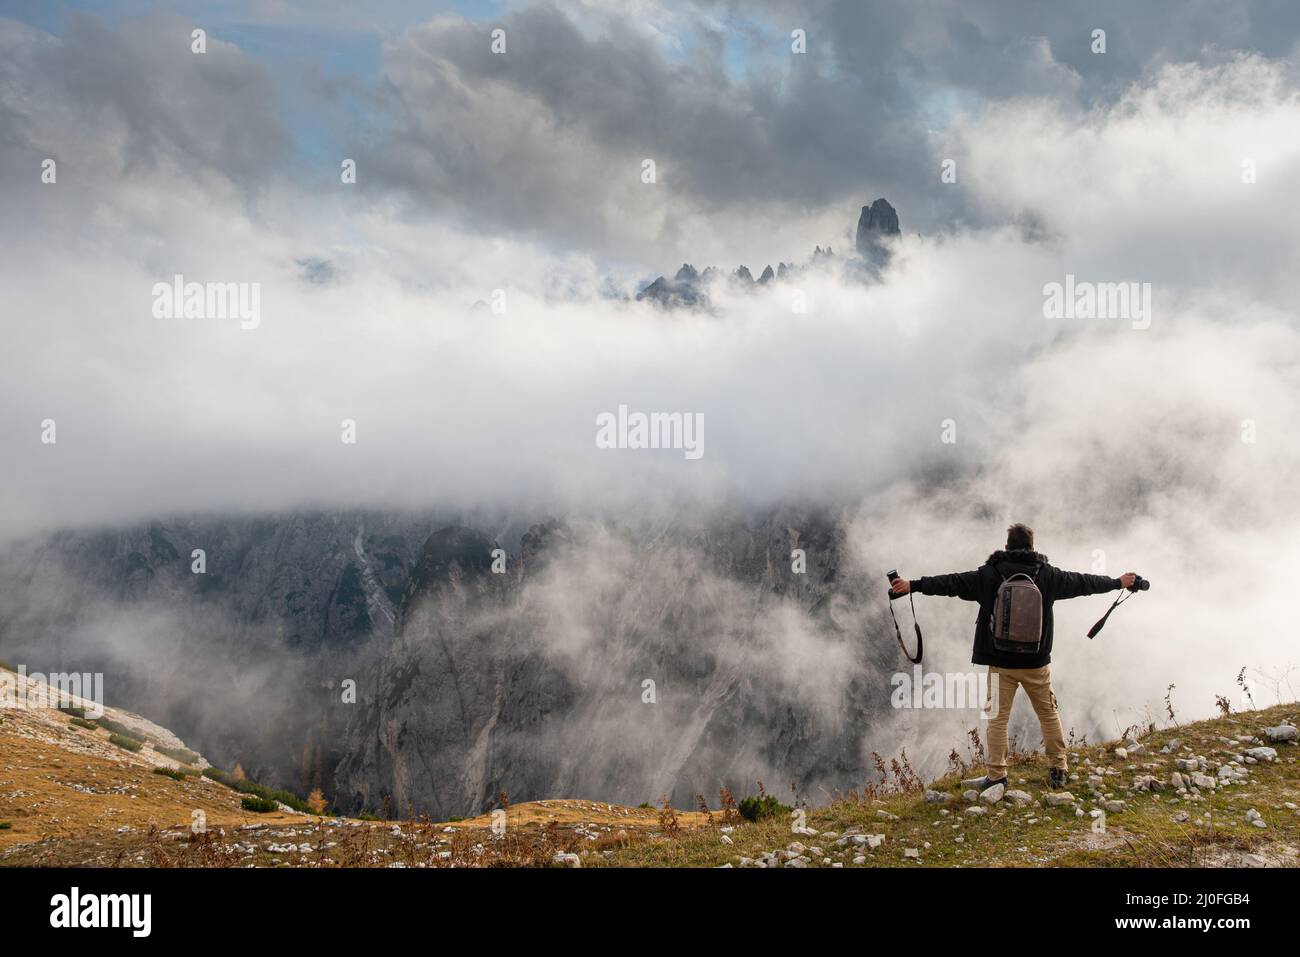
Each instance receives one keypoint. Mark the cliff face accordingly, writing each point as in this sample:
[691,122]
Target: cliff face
[600,662]
[246,655]
[607,666]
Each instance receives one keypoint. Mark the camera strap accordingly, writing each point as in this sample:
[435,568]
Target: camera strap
[899,634]
[1115,604]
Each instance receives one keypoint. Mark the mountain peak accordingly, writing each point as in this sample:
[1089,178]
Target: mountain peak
[878,222]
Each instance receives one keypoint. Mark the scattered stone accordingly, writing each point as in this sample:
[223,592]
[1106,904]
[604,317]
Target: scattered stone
[1058,798]
[1114,807]
[567,859]
[911,852]
[936,797]
[1262,754]
[1283,732]
[970,795]
[994,794]
[1019,798]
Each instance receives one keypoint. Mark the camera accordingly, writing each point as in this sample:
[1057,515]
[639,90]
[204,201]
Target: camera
[1140,584]
[891,575]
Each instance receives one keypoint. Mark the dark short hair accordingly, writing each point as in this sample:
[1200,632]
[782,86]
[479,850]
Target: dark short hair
[1019,536]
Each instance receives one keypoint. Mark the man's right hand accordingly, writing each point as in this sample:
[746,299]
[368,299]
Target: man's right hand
[1127,579]
[900,586]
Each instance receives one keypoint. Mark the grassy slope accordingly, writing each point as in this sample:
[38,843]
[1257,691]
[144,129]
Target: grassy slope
[48,766]
[1144,834]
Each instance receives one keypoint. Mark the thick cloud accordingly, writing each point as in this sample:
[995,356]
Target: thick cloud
[547,138]
[112,104]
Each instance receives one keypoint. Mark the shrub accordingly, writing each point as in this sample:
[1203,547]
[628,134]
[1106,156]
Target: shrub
[115,727]
[316,801]
[83,723]
[75,710]
[178,754]
[5,825]
[170,773]
[245,786]
[756,809]
[122,741]
[259,805]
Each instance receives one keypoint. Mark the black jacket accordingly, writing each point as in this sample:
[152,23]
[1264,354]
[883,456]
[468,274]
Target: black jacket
[981,585]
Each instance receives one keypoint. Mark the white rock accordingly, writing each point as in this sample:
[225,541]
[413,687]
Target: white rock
[994,794]
[1262,754]
[936,797]
[1283,732]
[1019,798]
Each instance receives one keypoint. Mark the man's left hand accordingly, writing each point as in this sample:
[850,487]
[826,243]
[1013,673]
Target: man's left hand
[900,586]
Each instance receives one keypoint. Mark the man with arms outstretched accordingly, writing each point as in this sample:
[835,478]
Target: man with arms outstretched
[1012,670]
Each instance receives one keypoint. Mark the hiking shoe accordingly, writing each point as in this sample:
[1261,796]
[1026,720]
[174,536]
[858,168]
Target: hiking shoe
[987,782]
[1057,778]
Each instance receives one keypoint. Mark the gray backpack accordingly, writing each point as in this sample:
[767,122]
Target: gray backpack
[1017,619]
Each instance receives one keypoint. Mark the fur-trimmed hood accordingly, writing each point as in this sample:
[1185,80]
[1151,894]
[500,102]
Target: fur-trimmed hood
[1018,556]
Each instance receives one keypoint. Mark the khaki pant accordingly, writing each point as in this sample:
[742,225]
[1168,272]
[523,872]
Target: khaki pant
[1037,683]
